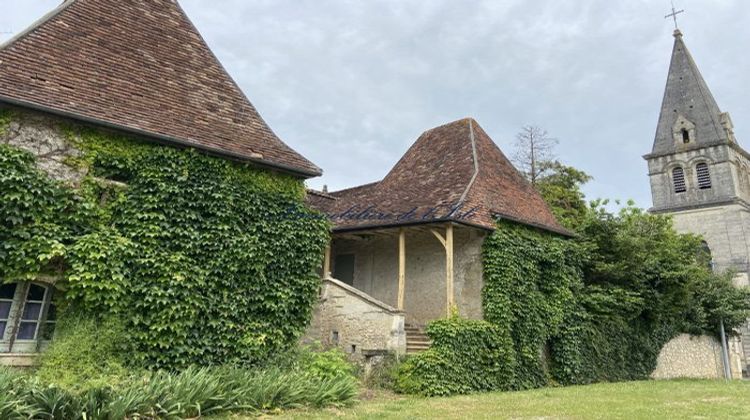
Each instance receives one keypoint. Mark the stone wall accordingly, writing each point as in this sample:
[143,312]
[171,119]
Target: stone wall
[45,138]
[687,356]
[355,322]
[376,271]
[727,167]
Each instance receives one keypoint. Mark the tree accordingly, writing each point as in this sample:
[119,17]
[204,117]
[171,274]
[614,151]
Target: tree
[561,189]
[534,149]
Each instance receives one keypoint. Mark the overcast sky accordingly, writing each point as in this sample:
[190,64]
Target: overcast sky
[352,84]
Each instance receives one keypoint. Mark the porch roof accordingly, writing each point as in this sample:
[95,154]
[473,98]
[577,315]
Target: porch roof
[453,173]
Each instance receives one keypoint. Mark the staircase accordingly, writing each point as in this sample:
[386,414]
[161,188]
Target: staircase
[416,339]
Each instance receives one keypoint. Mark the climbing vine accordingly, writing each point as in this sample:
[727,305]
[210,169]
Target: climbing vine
[205,261]
[5,119]
[529,278]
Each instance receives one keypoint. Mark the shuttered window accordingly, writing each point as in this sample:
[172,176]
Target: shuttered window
[678,178]
[704,177]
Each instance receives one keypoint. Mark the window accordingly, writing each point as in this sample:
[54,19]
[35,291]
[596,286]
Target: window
[678,178]
[7,292]
[343,269]
[27,316]
[685,136]
[704,177]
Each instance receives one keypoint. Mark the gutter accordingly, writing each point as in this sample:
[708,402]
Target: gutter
[168,140]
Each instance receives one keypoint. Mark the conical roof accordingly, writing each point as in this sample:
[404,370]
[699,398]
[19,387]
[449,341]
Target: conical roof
[454,172]
[139,66]
[687,98]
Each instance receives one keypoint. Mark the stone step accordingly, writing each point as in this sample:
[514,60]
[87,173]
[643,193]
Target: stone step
[416,339]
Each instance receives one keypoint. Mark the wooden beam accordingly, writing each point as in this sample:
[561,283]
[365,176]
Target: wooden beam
[438,236]
[401,268]
[449,267]
[327,262]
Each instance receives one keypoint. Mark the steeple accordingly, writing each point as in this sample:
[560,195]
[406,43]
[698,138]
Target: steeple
[690,116]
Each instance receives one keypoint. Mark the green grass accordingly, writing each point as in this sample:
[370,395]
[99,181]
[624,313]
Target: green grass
[629,400]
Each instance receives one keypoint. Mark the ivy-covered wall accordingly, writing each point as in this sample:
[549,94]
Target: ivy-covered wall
[203,260]
[530,278]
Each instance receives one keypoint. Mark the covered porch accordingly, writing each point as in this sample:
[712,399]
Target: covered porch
[383,285]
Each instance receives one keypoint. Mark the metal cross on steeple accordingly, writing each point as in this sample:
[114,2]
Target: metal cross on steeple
[674,14]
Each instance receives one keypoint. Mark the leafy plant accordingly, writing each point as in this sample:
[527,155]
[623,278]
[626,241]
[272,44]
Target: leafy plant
[85,354]
[203,260]
[465,356]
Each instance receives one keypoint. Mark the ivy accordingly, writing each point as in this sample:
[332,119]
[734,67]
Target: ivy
[466,356]
[205,261]
[39,219]
[6,116]
[529,281]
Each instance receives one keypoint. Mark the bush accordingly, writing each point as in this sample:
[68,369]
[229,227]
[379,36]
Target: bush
[325,364]
[85,354]
[466,356]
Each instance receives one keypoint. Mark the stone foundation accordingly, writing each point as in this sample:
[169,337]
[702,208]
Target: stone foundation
[687,356]
[355,322]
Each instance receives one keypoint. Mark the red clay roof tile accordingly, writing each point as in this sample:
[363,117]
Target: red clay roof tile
[140,66]
[454,172]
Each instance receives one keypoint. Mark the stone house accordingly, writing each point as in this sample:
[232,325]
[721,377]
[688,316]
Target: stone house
[700,175]
[408,249]
[138,68]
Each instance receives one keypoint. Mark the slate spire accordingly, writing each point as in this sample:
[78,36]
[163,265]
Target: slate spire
[690,116]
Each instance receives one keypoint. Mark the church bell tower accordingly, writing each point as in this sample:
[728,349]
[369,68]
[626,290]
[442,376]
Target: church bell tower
[699,173]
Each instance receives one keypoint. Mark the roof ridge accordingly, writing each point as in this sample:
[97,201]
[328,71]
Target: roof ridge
[476,161]
[693,67]
[369,184]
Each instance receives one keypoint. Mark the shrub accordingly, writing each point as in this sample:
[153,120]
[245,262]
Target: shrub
[85,354]
[466,356]
[325,364]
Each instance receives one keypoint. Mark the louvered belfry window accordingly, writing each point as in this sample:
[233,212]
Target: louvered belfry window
[704,177]
[678,177]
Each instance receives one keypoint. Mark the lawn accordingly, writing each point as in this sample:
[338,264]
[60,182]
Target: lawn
[630,400]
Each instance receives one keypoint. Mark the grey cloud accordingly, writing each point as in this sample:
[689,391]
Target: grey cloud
[351,84]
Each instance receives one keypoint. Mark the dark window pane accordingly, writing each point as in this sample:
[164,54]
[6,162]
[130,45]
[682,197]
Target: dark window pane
[36,292]
[27,331]
[52,312]
[5,309]
[7,291]
[2,329]
[31,311]
[49,331]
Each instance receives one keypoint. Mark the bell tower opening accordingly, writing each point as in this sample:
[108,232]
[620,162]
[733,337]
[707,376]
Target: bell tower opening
[685,136]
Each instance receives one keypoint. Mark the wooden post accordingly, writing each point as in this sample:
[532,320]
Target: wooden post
[449,266]
[401,268]
[327,263]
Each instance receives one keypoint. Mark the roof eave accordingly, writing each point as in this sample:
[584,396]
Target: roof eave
[172,141]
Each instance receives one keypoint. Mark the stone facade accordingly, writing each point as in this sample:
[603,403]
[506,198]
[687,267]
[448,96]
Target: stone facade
[700,175]
[355,322]
[45,138]
[376,272]
[687,356]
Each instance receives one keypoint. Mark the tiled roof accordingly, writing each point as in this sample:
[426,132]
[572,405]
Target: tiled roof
[140,66]
[453,172]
